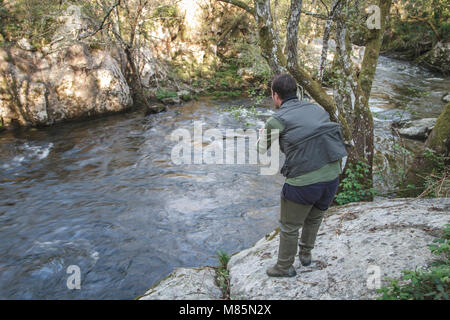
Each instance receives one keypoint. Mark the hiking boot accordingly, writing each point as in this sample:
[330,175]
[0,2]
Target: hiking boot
[276,271]
[305,258]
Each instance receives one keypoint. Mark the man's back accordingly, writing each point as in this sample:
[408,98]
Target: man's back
[309,139]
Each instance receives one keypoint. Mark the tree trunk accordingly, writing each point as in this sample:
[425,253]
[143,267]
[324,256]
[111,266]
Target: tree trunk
[352,91]
[268,41]
[326,37]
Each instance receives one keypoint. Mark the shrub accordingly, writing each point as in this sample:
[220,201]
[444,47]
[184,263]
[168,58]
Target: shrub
[424,284]
[352,187]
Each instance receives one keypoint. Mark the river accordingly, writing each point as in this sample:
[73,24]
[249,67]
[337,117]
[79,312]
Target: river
[105,196]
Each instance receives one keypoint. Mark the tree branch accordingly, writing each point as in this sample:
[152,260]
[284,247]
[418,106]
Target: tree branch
[316,15]
[233,26]
[240,4]
[100,27]
[413,19]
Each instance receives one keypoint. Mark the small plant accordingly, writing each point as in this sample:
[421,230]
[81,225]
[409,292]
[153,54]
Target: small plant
[424,284]
[257,96]
[162,94]
[240,113]
[437,183]
[414,92]
[352,188]
[222,274]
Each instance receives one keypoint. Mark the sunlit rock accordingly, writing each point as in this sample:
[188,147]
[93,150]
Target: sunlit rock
[415,129]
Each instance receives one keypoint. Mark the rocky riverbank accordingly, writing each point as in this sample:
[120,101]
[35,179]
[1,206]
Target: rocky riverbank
[354,243]
[76,76]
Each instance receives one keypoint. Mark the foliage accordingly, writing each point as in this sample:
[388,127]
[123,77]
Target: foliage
[248,55]
[352,186]
[217,94]
[432,283]
[162,94]
[242,113]
[437,182]
[417,24]
[222,274]
[33,20]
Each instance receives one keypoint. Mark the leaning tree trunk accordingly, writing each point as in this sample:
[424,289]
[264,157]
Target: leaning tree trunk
[422,166]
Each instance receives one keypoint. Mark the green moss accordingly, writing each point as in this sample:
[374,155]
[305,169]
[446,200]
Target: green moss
[441,130]
[431,163]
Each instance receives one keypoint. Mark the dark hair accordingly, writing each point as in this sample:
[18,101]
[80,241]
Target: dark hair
[285,85]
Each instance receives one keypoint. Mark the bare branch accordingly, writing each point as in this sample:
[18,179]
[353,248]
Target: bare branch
[316,15]
[326,7]
[101,26]
[240,4]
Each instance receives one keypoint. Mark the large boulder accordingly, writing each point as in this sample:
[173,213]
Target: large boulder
[358,247]
[65,80]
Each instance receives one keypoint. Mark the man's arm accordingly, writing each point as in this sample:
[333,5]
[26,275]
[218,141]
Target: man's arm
[265,136]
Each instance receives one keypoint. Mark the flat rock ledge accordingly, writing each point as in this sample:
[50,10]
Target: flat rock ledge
[186,284]
[354,244]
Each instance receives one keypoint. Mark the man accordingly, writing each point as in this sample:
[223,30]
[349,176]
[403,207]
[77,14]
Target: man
[314,148]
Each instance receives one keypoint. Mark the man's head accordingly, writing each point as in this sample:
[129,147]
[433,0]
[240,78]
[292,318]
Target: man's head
[283,87]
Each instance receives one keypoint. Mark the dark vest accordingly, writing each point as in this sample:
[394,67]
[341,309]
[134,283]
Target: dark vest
[309,139]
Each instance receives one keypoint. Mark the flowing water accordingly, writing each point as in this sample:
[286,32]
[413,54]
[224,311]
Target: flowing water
[105,196]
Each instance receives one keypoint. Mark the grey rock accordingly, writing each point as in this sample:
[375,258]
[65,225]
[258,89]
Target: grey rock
[171,100]
[345,278]
[446,97]
[184,95]
[186,284]
[438,58]
[415,129]
[24,44]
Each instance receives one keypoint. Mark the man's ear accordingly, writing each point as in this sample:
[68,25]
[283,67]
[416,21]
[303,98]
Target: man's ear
[277,97]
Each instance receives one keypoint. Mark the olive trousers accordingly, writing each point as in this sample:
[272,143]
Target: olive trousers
[294,216]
